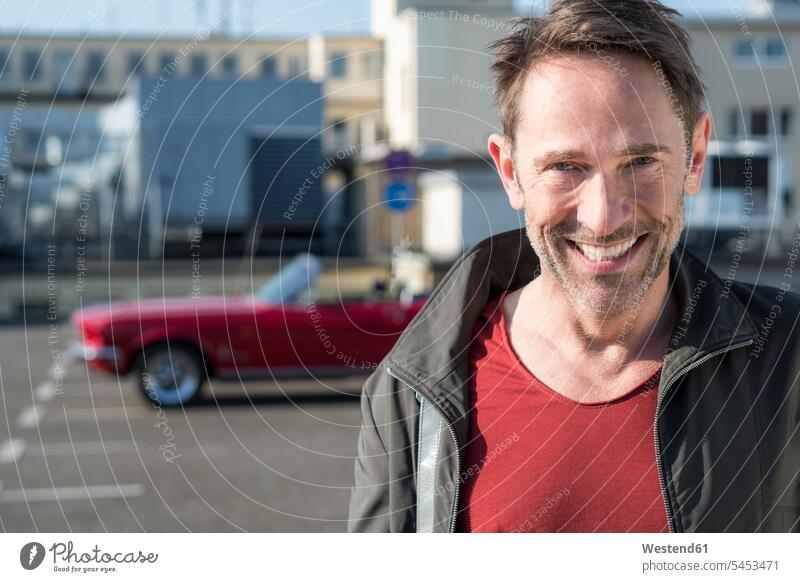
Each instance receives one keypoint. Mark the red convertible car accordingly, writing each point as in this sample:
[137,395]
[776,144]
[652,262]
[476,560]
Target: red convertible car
[173,345]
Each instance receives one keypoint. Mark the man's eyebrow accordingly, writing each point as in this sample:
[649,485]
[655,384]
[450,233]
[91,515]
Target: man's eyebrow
[643,149]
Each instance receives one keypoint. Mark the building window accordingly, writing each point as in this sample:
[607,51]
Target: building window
[733,122]
[135,63]
[199,65]
[230,65]
[733,175]
[775,49]
[339,128]
[31,64]
[769,50]
[739,173]
[5,64]
[759,122]
[786,122]
[94,68]
[295,66]
[338,65]
[63,71]
[744,49]
[269,67]
[166,63]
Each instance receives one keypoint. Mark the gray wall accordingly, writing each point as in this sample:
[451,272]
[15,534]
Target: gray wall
[192,129]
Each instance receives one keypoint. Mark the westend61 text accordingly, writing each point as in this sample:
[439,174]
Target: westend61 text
[675,549]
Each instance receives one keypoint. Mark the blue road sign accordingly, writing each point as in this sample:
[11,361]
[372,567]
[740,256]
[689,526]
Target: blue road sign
[399,195]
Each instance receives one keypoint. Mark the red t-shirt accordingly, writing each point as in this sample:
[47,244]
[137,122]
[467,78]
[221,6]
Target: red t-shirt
[537,461]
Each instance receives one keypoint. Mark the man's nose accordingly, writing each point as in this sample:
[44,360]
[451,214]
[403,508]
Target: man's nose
[602,209]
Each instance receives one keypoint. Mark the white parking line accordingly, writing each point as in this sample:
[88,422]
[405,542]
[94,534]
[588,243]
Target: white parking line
[12,450]
[81,448]
[72,493]
[101,413]
[66,361]
[44,392]
[84,389]
[30,417]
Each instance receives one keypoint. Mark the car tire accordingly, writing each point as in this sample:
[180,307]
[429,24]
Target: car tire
[171,375]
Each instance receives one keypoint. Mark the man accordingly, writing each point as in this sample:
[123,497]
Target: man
[596,376]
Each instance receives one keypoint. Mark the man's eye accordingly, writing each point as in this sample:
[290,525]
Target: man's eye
[642,161]
[563,166]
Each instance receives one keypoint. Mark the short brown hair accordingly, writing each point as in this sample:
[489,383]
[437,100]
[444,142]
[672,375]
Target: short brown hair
[643,28]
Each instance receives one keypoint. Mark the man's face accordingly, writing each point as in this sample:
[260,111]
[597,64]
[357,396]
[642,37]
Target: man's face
[601,162]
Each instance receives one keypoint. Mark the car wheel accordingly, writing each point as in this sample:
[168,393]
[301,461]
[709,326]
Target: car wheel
[171,375]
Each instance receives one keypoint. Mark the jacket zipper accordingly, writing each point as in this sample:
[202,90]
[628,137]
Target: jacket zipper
[661,479]
[455,442]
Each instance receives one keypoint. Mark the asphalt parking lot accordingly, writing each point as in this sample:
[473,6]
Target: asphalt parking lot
[84,452]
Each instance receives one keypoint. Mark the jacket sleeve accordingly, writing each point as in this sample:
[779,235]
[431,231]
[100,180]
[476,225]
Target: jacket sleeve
[369,496]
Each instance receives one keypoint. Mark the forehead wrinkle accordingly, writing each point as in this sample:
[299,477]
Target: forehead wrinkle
[627,100]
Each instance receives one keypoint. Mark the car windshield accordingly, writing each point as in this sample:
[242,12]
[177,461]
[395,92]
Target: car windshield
[291,281]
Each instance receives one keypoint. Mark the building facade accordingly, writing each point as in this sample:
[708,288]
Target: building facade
[94,67]
[421,82]
[62,80]
[750,196]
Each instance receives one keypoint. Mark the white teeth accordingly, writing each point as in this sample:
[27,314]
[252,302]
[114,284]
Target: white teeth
[595,253]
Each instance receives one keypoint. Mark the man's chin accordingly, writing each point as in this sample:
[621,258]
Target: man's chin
[610,293]
[598,298]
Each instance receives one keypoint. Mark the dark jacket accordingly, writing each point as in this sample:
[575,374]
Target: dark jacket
[727,428]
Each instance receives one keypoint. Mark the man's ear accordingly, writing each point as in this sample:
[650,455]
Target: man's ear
[500,150]
[700,137]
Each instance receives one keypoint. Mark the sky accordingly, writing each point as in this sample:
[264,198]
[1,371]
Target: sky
[258,17]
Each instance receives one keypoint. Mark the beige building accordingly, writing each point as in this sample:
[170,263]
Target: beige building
[746,54]
[438,104]
[100,68]
[438,88]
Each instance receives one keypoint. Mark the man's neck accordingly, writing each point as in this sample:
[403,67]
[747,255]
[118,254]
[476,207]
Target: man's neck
[638,333]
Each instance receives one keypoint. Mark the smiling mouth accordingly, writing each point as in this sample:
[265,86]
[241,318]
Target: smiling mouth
[597,254]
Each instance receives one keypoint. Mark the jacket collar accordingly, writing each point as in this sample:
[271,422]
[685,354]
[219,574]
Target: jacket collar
[432,353]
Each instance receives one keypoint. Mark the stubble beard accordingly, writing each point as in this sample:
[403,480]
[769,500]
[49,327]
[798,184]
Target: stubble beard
[615,293]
